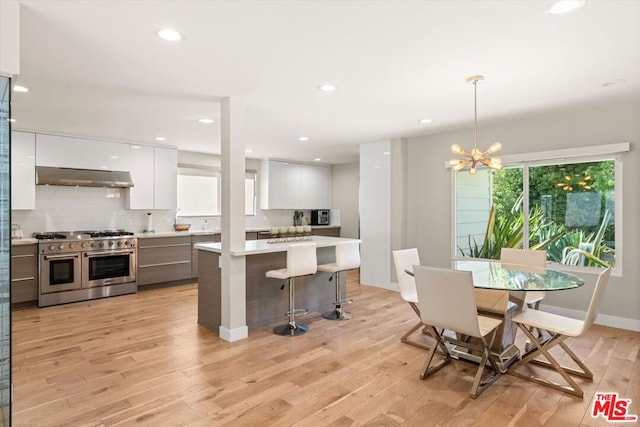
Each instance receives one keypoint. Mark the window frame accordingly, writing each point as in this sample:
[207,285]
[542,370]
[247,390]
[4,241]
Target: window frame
[563,156]
[214,171]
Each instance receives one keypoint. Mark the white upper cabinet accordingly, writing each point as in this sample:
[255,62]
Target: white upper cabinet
[142,164]
[68,152]
[315,187]
[154,174]
[165,176]
[286,185]
[23,174]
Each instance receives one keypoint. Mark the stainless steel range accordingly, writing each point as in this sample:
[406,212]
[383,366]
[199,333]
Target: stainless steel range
[84,265]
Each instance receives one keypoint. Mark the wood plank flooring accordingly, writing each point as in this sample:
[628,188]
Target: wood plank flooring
[142,360]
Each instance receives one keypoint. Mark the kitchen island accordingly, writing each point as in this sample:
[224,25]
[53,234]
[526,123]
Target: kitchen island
[267,300]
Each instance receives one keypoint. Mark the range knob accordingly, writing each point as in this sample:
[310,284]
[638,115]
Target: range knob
[121,243]
[102,244]
[111,243]
[72,245]
[93,244]
[52,247]
[85,244]
[61,247]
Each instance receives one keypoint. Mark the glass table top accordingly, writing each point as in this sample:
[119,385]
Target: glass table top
[514,277]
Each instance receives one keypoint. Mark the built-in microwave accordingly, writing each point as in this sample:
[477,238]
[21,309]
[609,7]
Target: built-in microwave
[320,217]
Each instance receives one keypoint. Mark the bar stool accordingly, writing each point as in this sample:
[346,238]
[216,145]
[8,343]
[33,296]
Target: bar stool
[347,258]
[301,261]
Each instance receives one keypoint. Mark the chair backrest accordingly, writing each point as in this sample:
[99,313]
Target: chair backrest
[347,255]
[302,259]
[446,299]
[598,293]
[531,258]
[405,259]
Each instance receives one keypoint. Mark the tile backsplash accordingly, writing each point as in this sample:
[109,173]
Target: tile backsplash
[60,208]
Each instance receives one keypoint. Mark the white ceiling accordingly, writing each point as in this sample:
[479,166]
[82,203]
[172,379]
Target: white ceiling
[97,69]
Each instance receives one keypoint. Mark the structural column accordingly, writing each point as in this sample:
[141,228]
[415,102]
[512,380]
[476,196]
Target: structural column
[233,293]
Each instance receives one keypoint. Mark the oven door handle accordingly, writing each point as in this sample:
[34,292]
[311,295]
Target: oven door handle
[111,253]
[48,257]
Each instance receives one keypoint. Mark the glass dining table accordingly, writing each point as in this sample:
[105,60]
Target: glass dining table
[501,276]
[500,293]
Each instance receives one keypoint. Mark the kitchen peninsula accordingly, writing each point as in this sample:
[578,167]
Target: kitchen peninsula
[267,300]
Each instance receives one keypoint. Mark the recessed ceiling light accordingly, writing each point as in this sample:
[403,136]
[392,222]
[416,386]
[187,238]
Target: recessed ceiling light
[425,121]
[327,87]
[18,88]
[303,138]
[387,152]
[317,159]
[206,121]
[559,7]
[615,82]
[160,138]
[248,150]
[169,34]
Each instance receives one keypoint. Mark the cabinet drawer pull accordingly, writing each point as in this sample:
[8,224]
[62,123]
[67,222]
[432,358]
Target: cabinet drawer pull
[23,279]
[164,246]
[23,256]
[164,263]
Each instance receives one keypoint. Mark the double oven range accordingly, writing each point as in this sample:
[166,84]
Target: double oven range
[83,265]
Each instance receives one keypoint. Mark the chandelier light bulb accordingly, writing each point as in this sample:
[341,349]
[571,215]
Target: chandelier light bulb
[455,148]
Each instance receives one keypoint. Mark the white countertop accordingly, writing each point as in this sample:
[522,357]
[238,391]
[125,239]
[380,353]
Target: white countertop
[25,241]
[253,247]
[211,231]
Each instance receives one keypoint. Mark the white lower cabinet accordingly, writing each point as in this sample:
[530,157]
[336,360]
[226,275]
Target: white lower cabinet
[23,164]
[154,173]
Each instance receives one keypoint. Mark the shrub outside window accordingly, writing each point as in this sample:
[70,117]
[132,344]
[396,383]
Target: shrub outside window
[570,210]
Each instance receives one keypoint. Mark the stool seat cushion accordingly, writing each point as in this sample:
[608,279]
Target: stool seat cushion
[282,273]
[329,268]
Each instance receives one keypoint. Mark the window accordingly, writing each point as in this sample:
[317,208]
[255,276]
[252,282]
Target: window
[570,204]
[199,191]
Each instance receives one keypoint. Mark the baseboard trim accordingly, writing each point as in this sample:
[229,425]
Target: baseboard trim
[231,335]
[601,319]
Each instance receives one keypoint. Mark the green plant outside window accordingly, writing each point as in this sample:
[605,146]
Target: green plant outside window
[571,209]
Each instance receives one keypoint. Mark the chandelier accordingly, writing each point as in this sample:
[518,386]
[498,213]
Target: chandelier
[476,156]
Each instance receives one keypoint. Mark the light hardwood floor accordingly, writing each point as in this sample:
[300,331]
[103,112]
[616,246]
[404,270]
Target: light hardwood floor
[143,360]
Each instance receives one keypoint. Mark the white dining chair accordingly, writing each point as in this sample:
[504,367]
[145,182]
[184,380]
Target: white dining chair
[405,259]
[446,300]
[529,258]
[347,258]
[301,261]
[559,328]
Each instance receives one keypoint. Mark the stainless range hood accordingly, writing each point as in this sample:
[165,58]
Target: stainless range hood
[82,177]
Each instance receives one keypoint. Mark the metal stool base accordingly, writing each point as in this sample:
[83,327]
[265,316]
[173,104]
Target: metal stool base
[289,330]
[337,315]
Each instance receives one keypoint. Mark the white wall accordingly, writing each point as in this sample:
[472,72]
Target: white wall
[345,180]
[429,193]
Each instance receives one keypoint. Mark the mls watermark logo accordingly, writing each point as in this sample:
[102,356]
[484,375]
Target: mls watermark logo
[612,408]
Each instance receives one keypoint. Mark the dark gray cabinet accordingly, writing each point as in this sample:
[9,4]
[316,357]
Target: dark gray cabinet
[200,238]
[24,273]
[163,259]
